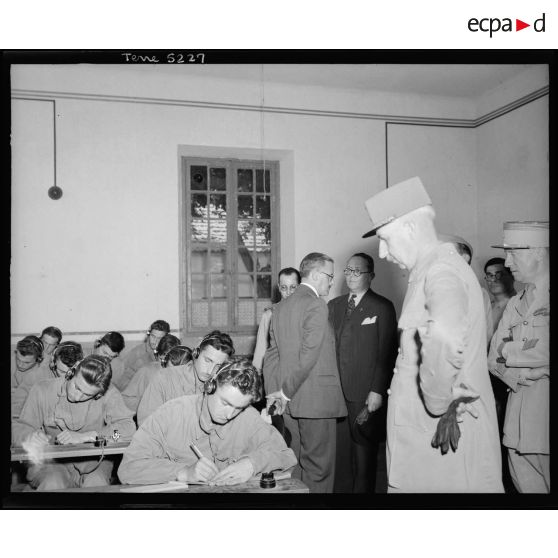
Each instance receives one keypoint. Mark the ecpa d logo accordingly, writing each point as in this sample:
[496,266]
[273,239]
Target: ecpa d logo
[494,24]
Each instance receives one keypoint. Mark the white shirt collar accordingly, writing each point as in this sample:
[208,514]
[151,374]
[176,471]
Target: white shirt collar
[310,287]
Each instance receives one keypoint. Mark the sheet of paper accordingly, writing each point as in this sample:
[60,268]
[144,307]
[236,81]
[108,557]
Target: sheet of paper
[164,487]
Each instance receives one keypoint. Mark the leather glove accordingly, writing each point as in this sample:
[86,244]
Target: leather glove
[447,432]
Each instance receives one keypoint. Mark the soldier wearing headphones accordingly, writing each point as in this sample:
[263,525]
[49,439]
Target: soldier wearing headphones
[51,337]
[64,356]
[73,409]
[28,357]
[235,443]
[142,354]
[213,350]
[110,345]
[134,390]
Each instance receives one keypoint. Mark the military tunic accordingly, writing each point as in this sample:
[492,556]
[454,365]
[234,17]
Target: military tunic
[48,408]
[526,427]
[138,384]
[161,446]
[132,361]
[167,384]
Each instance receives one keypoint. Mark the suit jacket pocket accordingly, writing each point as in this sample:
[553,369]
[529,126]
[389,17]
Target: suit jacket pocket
[329,380]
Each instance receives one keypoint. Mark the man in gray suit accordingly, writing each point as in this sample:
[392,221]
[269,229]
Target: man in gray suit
[301,376]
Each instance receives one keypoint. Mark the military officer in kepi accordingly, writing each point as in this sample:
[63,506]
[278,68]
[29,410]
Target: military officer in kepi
[520,356]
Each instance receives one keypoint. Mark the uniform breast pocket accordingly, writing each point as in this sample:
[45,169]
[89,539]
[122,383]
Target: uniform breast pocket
[541,320]
[228,456]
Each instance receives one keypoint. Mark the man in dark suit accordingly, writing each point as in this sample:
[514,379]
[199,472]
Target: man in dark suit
[300,373]
[366,338]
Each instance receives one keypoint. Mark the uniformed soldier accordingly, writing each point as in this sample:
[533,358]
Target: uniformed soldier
[442,355]
[232,442]
[72,409]
[520,354]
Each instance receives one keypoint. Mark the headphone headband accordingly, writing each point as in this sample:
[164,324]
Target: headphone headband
[36,343]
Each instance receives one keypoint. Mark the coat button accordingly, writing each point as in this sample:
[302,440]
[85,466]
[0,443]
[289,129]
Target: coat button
[526,323]
[524,339]
[389,391]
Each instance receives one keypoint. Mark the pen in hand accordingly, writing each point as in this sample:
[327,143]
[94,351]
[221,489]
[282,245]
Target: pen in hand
[196,450]
[205,469]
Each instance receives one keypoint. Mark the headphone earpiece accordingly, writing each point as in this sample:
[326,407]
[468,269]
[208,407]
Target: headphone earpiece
[210,386]
[72,371]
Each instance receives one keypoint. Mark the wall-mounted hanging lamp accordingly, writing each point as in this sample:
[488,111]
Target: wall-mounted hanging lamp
[54,192]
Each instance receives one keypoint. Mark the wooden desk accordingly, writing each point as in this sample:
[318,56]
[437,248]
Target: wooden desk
[72,450]
[285,486]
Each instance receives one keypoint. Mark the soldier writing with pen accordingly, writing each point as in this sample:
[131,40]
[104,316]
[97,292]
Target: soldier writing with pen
[232,442]
[72,409]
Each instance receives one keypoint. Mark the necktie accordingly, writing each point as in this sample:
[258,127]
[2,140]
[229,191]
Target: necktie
[350,306]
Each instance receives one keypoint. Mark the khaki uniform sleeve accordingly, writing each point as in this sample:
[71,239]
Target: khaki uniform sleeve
[117,366]
[151,399]
[19,396]
[146,459]
[510,376]
[443,342]
[135,389]
[117,416]
[267,449]
[31,417]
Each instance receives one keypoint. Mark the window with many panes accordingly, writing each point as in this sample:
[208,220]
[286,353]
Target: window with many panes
[230,242]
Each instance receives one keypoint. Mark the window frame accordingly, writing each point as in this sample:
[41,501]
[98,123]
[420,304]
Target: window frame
[232,164]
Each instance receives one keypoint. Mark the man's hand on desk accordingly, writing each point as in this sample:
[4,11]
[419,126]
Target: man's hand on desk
[236,473]
[38,438]
[202,471]
[68,437]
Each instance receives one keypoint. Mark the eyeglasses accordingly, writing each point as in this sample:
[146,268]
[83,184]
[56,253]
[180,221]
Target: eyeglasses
[494,276]
[330,276]
[355,272]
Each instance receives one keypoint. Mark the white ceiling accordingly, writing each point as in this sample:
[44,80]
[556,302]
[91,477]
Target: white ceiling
[455,80]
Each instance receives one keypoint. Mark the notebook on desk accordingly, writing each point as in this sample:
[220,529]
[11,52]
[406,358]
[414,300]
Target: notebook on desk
[162,487]
[177,485]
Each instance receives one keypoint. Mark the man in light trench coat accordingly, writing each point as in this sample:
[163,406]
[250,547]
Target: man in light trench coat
[442,355]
